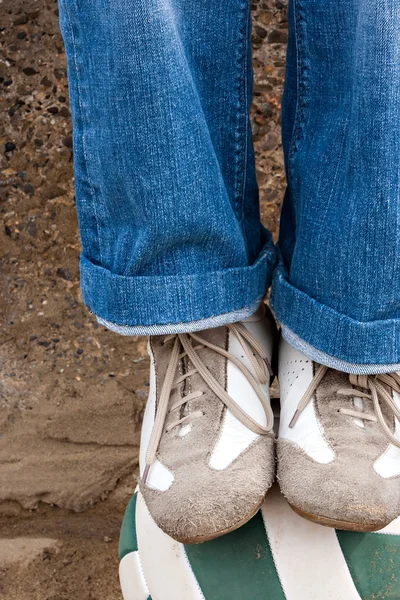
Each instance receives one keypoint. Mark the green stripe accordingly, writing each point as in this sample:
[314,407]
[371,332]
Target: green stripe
[237,566]
[374,563]
[127,539]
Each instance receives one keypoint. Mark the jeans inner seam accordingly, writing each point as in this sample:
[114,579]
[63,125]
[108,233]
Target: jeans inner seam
[242,111]
[84,126]
[299,26]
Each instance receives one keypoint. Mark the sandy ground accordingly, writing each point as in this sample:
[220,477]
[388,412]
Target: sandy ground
[71,393]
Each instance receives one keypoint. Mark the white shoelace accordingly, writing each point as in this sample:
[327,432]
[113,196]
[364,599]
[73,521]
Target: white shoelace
[376,391]
[183,347]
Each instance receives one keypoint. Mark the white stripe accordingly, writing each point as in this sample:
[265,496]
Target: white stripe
[388,464]
[166,567]
[296,374]
[131,577]
[235,437]
[159,477]
[308,558]
[392,529]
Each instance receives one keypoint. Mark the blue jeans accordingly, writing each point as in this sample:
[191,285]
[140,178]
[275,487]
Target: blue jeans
[165,176]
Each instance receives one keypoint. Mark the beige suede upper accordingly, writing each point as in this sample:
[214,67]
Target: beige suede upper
[203,502]
[347,489]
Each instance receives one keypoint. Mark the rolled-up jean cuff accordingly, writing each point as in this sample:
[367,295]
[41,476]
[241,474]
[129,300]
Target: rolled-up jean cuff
[149,305]
[330,361]
[217,321]
[341,341]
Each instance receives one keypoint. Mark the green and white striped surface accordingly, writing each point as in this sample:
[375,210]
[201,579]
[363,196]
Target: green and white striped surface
[276,556]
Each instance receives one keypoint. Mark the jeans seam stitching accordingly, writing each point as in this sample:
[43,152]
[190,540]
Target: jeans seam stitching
[84,126]
[246,109]
[300,87]
[241,140]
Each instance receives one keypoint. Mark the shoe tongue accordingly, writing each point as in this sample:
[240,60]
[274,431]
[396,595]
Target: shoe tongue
[359,380]
[214,363]
[211,359]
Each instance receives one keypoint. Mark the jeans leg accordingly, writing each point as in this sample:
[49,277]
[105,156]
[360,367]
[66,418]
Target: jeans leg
[164,166]
[337,288]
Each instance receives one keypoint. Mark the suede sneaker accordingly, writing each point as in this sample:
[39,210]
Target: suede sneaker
[207,446]
[339,443]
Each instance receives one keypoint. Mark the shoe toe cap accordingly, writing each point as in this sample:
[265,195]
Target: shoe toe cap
[345,490]
[203,503]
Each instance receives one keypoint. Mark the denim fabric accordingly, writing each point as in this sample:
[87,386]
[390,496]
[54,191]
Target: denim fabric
[164,165]
[331,361]
[337,286]
[165,176]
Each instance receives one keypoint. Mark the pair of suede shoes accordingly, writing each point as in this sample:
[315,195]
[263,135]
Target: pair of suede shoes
[211,446]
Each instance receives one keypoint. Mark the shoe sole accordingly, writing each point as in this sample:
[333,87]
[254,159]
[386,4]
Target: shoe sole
[208,538]
[338,524]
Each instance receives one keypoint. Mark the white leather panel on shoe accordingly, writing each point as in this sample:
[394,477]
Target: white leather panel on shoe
[168,571]
[159,477]
[235,437]
[295,375]
[388,465]
[131,577]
